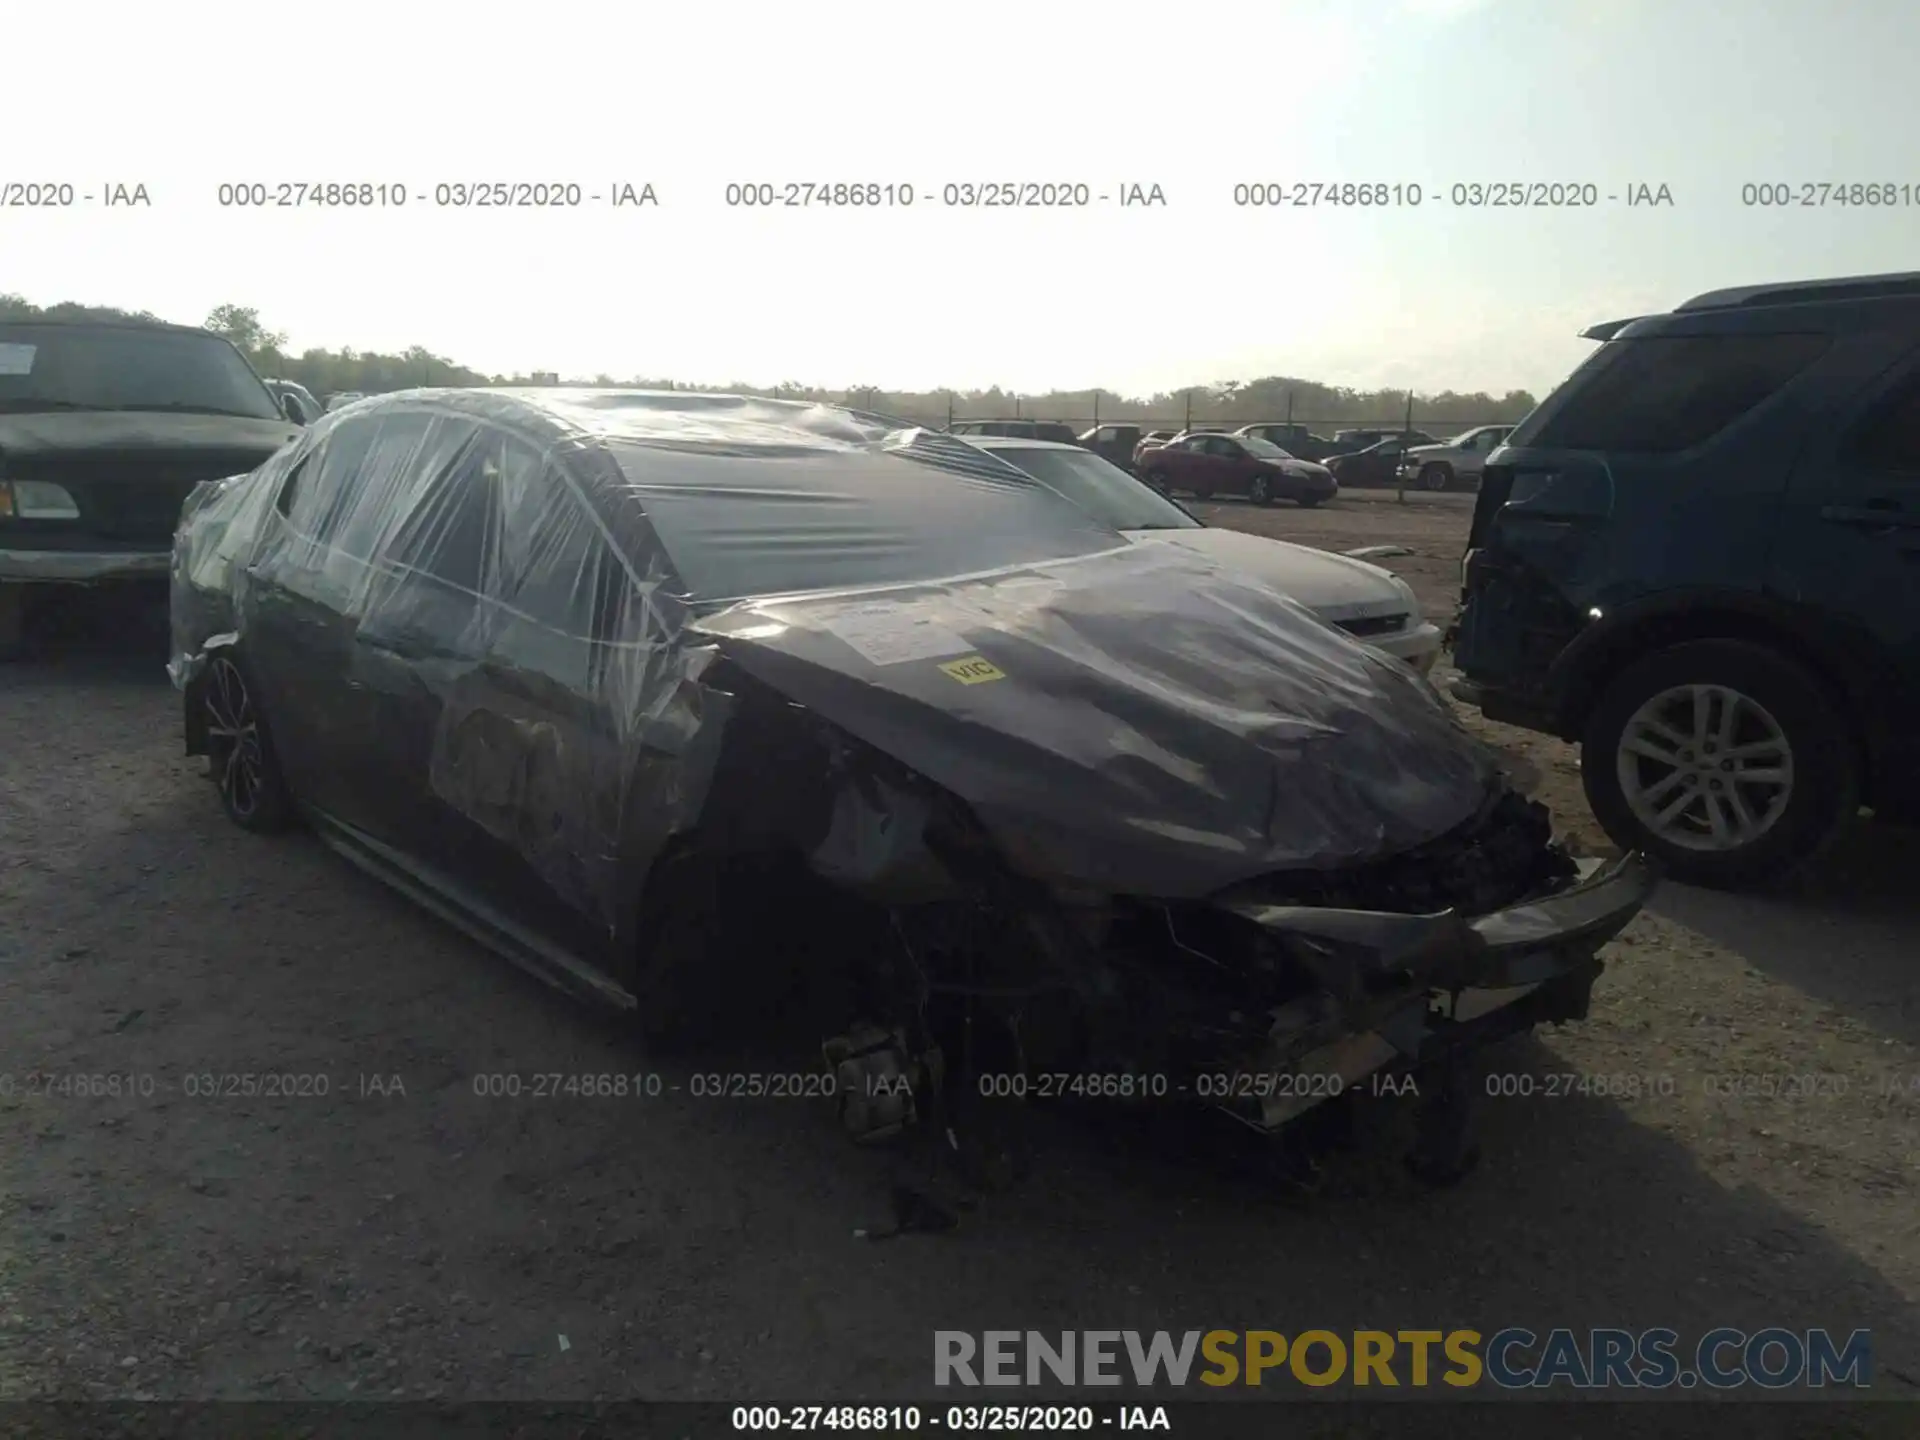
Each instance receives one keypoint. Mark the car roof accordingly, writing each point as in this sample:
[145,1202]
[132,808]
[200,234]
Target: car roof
[1901,288]
[633,424]
[76,322]
[1021,442]
[1903,284]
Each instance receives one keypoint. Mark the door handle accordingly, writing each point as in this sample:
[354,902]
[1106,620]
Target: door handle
[1883,515]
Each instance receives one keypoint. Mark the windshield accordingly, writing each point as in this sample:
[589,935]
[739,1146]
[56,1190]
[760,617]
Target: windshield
[739,524]
[1265,449]
[1467,437]
[1103,490]
[81,367]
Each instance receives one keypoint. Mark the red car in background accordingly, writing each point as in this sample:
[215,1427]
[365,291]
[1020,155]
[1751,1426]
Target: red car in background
[1209,463]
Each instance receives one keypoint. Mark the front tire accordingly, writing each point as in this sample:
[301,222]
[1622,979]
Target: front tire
[1260,490]
[1435,477]
[1158,480]
[241,759]
[1724,760]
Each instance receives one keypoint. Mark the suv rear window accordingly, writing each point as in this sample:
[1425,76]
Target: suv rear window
[1661,395]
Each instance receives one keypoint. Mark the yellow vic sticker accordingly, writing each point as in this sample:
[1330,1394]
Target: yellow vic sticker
[973,670]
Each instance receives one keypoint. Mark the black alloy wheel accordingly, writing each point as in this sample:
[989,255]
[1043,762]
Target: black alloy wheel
[240,754]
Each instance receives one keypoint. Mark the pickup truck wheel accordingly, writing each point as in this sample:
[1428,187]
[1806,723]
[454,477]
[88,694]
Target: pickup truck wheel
[1260,490]
[1435,477]
[1725,761]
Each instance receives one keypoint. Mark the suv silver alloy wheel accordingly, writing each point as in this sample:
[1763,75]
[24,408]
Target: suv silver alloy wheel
[1704,767]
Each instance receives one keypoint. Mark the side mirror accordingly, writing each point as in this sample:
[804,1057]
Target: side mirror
[290,407]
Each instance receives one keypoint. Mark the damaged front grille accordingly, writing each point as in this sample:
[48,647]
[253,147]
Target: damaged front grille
[1499,858]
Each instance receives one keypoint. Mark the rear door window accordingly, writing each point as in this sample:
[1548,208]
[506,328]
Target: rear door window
[567,597]
[448,533]
[1888,437]
[1662,395]
[440,557]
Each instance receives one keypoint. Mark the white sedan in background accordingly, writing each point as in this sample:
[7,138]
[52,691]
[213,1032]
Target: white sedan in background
[1369,603]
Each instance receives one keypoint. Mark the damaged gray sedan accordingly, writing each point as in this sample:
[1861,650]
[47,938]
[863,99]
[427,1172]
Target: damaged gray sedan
[660,695]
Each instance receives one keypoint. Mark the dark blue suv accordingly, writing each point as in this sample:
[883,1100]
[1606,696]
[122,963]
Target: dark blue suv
[1700,559]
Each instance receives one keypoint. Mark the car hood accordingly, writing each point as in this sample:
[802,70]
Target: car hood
[78,432]
[1334,587]
[1146,721]
[1426,452]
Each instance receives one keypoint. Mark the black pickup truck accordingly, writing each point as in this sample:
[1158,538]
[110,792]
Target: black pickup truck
[104,428]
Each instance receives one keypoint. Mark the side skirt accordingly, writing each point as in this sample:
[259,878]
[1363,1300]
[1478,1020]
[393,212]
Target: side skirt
[472,917]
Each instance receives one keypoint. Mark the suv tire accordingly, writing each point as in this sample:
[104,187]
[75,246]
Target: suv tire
[1435,477]
[1785,732]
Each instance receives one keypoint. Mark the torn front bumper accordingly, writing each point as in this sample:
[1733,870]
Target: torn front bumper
[1473,981]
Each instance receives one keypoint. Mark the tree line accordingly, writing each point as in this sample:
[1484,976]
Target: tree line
[1272,397]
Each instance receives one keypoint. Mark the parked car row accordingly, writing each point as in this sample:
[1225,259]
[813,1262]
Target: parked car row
[1206,464]
[1353,457]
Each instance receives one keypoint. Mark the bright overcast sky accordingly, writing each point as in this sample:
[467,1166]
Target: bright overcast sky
[1700,95]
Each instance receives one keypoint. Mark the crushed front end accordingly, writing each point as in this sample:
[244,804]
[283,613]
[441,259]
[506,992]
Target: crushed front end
[1139,816]
[1261,1001]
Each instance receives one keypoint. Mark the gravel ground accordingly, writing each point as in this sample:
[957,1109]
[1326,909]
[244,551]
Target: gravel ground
[402,1235]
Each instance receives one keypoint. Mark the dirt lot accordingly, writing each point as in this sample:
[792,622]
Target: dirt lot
[401,1234]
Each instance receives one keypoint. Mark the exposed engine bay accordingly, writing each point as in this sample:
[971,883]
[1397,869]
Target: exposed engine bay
[971,982]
